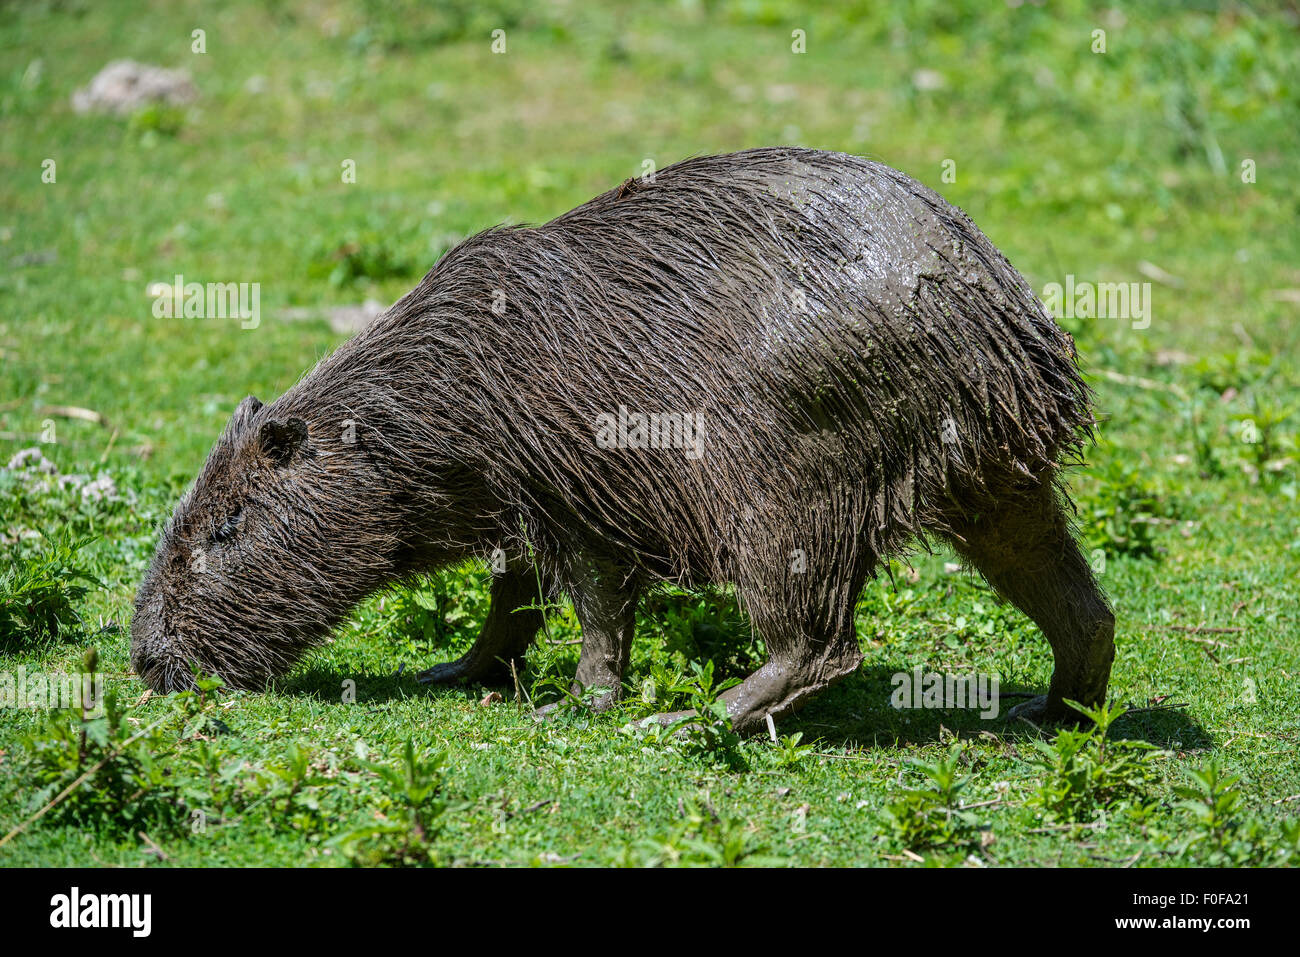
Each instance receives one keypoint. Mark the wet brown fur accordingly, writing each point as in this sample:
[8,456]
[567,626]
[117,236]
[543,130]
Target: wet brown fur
[871,372]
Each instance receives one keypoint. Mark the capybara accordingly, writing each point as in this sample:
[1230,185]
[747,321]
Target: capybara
[772,369]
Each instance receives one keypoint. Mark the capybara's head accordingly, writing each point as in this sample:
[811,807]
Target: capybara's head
[268,550]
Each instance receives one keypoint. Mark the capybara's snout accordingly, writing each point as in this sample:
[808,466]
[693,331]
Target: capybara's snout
[156,654]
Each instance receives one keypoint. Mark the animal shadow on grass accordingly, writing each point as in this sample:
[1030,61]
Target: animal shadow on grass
[854,713]
[370,684]
[858,712]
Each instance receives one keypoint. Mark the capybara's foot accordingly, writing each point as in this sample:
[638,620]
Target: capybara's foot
[744,722]
[449,672]
[775,690]
[667,718]
[1043,711]
[470,668]
[598,705]
[546,712]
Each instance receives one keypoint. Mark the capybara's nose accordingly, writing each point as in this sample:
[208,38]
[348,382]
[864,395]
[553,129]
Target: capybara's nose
[151,667]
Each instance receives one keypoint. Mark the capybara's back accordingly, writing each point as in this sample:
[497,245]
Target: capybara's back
[772,368]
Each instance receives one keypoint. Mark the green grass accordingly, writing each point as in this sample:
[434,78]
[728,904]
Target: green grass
[1073,162]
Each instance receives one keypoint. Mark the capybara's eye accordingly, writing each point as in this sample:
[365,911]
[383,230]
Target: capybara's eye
[227,530]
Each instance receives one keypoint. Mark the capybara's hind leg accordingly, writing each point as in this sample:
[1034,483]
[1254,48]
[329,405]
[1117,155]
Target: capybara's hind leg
[811,646]
[784,684]
[510,628]
[1025,550]
[780,687]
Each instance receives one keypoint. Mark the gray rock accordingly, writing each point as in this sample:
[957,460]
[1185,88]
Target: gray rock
[124,86]
[345,319]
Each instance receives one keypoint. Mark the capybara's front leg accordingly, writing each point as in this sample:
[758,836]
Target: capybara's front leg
[510,628]
[604,598]
[608,622]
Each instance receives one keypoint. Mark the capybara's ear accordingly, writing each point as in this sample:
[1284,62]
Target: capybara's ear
[282,441]
[244,413]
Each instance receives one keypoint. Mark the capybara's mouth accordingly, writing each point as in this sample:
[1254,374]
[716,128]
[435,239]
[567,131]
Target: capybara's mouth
[163,675]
